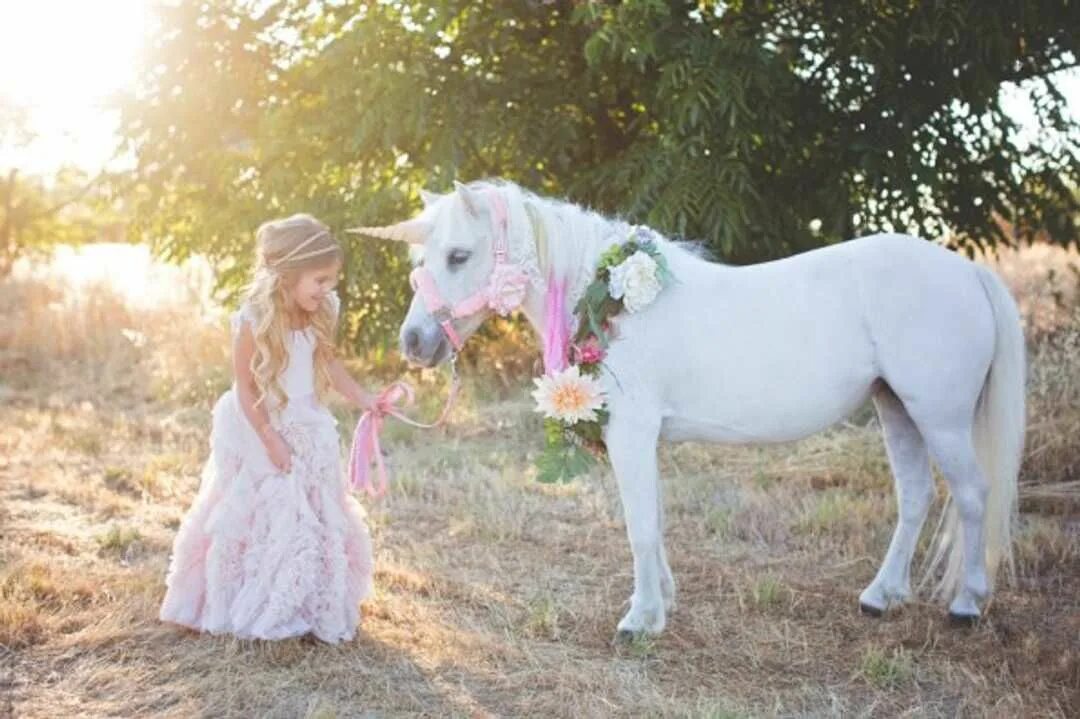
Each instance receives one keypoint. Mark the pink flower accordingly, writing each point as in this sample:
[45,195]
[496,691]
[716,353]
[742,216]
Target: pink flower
[590,351]
[507,288]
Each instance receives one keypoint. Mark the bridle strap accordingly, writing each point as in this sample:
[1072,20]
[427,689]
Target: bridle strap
[500,224]
[424,284]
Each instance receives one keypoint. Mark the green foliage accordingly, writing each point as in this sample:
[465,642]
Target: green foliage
[562,458]
[38,213]
[767,592]
[764,117]
[118,540]
[760,128]
[886,670]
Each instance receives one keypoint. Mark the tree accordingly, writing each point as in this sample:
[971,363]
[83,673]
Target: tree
[862,116]
[762,128]
[37,213]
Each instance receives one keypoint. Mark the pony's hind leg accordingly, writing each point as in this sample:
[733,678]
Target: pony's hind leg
[910,464]
[954,452]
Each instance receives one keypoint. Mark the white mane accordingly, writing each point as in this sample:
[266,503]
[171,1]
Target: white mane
[576,236]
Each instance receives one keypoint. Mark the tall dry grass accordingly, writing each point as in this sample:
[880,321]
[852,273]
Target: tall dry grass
[1045,279]
[495,595]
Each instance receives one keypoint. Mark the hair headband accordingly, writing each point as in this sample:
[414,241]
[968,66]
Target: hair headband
[294,254]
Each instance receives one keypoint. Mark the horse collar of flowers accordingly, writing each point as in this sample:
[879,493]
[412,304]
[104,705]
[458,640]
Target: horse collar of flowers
[628,278]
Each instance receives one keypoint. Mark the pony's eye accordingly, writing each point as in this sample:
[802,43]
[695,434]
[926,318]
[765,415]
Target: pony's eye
[457,258]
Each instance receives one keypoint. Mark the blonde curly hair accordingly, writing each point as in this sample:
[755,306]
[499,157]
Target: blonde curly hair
[286,248]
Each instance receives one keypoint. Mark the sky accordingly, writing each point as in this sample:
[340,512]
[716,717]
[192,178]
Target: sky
[63,59]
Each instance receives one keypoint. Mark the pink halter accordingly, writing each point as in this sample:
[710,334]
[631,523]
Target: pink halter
[505,290]
[504,293]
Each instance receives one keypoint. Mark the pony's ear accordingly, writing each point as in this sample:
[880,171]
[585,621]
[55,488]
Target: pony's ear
[471,198]
[429,198]
[415,231]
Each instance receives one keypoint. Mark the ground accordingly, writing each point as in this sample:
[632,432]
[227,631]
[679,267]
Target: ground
[495,595]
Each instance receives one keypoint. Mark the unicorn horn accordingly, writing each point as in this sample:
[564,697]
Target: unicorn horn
[414,231]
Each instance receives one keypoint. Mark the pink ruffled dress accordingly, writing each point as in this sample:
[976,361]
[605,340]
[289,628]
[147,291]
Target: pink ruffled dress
[263,554]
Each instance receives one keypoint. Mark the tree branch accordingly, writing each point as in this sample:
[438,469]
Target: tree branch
[49,211]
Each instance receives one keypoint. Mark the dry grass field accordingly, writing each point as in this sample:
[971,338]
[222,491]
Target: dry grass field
[496,595]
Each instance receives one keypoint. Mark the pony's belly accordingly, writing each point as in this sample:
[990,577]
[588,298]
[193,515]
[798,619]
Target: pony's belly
[682,429]
[793,417]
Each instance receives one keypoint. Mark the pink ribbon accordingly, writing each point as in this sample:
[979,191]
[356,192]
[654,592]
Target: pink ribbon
[366,450]
[365,444]
[556,327]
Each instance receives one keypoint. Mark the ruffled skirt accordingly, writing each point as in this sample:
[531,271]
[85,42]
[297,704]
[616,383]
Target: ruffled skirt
[267,555]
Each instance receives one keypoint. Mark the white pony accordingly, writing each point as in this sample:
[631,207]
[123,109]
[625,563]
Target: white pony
[766,353]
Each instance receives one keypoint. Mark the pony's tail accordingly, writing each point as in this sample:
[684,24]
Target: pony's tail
[998,436]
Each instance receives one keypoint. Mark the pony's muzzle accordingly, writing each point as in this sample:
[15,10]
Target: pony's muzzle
[424,344]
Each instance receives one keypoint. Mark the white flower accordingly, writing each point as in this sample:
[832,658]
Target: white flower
[568,396]
[635,280]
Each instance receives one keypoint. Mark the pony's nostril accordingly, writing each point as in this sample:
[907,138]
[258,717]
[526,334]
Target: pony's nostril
[412,341]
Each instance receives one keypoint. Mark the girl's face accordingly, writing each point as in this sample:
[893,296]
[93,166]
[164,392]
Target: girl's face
[312,285]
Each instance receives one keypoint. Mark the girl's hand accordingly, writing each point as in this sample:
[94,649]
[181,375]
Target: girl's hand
[278,449]
[366,401]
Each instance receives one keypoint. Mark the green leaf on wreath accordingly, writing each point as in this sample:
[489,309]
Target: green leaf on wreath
[561,463]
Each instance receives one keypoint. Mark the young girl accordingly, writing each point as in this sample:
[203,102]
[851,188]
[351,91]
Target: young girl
[273,546]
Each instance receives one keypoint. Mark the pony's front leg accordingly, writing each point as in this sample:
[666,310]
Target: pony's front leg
[667,579]
[631,444]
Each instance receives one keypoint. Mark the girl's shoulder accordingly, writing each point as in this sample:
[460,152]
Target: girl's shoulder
[244,315]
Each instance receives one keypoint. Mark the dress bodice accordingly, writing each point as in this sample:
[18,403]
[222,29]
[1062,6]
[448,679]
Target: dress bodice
[297,380]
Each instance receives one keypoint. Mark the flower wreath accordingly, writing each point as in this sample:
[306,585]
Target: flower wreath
[628,277]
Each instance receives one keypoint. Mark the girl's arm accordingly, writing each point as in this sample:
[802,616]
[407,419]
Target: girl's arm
[348,388]
[247,392]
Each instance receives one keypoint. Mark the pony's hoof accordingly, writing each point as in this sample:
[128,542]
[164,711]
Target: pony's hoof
[963,620]
[871,611]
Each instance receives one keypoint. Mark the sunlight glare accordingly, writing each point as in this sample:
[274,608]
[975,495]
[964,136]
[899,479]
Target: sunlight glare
[130,271]
[62,60]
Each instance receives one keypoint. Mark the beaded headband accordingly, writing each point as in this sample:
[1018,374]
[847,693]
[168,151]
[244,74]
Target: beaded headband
[295,255]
